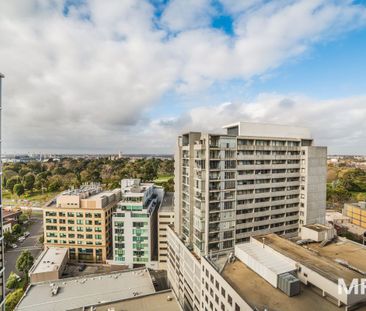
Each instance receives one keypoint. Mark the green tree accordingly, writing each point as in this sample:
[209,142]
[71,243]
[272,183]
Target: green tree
[11,182]
[13,281]
[9,238]
[13,298]
[22,218]
[54,186]
[17,229]
[24,262]
[29,181]
[18,189]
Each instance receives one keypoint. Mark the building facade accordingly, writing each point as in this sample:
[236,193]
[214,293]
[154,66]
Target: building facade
[356,213]
[134,224]
[165,219]
[2,273]
[255,179]
[184,272]
[268,272]
[81,221]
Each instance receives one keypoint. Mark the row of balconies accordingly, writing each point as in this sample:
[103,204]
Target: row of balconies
[270,148]
[265,231]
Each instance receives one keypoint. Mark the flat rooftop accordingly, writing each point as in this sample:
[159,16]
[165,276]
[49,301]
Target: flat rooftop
[325,266]
[317,227]
[260,294]
[50,260]
[161,301]
[352,252]
[167,205]
[77,292]
[270,130]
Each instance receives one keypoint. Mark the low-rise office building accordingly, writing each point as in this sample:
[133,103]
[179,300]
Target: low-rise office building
[270,273]
[356,212]
[165,219]
[134,224]
[49,265]
[80,220]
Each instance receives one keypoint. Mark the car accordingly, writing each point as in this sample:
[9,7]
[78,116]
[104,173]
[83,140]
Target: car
[27,233]
[21,239]
[13,245]
[82,267]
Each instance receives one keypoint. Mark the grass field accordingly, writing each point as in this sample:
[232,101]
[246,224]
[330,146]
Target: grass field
[36,196]
[163,178]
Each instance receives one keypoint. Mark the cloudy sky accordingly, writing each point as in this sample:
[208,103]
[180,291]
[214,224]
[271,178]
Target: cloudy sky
[130,75]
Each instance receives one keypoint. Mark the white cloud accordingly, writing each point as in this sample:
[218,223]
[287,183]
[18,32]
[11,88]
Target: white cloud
[338,123]
[85,81]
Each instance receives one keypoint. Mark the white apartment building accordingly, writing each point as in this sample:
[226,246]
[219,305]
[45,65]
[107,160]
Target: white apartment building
[184,272]
[134,224]
[165,218]
[268,273]
[254,179]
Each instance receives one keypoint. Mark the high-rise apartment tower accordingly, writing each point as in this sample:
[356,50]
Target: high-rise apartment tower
[255,179]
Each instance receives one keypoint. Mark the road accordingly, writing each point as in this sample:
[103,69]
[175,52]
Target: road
[31,243]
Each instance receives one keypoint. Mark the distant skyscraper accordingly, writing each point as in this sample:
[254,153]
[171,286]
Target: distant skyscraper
[255,179]
[2,273]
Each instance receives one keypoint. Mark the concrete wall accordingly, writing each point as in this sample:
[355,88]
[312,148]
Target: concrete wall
[209,271]
[315,185]
[184,273]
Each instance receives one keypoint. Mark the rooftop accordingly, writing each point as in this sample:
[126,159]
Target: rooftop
[273,262]
[270,130]
[10,214]
[257,292]
[161,301]
[317,227]
[167,203]
[50,260]
[325,266]
[77,292]
[349,251]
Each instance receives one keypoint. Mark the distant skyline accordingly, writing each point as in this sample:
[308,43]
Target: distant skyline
[98,77]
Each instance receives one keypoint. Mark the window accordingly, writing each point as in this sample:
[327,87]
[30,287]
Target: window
[217,285]
[229,300]
[223,292]
[237,308]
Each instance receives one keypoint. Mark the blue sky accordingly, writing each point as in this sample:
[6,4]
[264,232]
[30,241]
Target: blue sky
[332,69]
[132,76]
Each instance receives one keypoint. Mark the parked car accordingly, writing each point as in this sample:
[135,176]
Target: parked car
[27,234]
[13,245]
[21,239]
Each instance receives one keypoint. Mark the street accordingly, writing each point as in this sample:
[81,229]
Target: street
[30,243]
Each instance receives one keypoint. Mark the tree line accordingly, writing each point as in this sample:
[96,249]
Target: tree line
[60,175]
[345,184]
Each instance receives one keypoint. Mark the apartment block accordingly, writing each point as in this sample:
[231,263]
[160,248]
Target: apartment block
[2,273]
[80,220]
[254,179]
[165,219]
[134,224]
[269,273]
[184,272]
[356,213]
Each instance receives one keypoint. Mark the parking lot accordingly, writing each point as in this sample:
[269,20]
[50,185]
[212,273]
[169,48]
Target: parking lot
[31,243]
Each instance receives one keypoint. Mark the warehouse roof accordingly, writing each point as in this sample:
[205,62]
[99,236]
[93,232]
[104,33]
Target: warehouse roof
[74,293]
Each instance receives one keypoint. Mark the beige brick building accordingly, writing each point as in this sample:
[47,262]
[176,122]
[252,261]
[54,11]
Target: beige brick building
[81,221]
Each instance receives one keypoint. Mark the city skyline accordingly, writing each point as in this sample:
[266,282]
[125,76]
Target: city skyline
[131,77]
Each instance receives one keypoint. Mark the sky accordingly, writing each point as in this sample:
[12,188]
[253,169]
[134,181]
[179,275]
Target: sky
[93,76]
